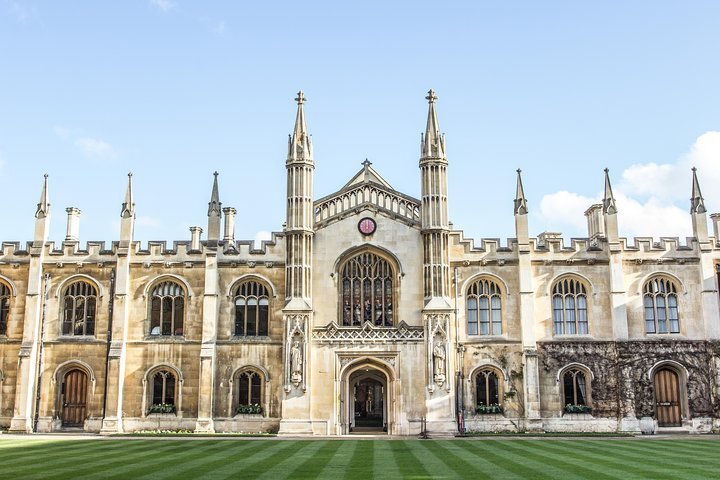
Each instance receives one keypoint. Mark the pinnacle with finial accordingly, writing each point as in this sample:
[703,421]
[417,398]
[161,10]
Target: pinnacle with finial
[128,206]
[697,202]
[609,207]
[300,99]
[214,204]
[43,207]
[432,144]
[431,97]
[520,200]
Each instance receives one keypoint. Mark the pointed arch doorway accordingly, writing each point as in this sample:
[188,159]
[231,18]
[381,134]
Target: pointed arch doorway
[366,398]
[74,398]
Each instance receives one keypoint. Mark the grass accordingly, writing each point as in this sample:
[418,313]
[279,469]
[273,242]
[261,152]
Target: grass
[276,459]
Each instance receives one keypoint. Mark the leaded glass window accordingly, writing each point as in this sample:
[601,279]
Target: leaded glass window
[366,291]
[251,309]
[660,303]
[4,308]
[569,303]
[167,309]
[79,305]
[487,388]
[484,310]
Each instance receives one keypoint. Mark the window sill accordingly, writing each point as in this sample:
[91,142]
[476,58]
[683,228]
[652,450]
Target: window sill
[250,338]
[161,415]
[572,336]
[77,338]
[165,338]
[664,335]
[241,416]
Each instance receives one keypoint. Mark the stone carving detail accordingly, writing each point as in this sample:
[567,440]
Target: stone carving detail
[346,359]
[295,348]
[437,348]
[367,333]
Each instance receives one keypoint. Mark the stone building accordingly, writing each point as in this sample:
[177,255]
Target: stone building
[367,312]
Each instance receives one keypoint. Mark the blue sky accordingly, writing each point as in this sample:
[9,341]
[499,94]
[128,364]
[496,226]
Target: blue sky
[174,90]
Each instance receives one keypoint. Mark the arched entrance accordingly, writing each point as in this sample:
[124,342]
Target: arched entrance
[668,404]
[73,398]
[366,398]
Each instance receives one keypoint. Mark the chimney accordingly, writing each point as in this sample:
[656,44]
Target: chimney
[596,223]
[73,224]
[229,236]
[195,233]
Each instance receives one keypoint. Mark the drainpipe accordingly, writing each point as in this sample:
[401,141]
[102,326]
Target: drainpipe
[46,279]
[459,376]
[111,304]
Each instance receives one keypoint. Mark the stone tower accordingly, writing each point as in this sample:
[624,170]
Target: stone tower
[297,314]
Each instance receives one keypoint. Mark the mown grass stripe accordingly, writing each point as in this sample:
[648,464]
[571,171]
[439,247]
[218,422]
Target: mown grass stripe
[494,452]
[605,462]
[475,463]
[312,467]
[180,463]
[362,456]
[564,458]
[451,463]
[384,460]
[254,466]
[231,451]
[532,450]
[433,465]
[58,465]
[282,469]
[406,462]
[47,449]
[338,464]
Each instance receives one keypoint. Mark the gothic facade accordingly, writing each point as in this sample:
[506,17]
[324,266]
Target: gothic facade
[368,312]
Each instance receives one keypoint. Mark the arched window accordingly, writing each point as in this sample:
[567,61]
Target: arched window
[484,308]
[661,306]
[569,300]
[366,291]
[4,307]
[249,392]
[576,391]
[167,309]
[79,304]
[163,392]
[487,390]
[251,309]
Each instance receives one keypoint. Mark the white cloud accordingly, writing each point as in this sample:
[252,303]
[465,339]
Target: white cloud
[219,28]
[652,199]
[164,5]
[94,147]
[260,236]
[62,132]
[22,12]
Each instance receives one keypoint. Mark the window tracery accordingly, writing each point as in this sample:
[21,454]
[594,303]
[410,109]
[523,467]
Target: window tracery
[484,308]
[251,309]
[487,388]
[79,305]
[4,307]
[249,391]
[569,301]
[576,391]
[366,291]
[167,309]
[660,303]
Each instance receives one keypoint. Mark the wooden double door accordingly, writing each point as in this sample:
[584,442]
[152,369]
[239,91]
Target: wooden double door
[74,398]
[668,406]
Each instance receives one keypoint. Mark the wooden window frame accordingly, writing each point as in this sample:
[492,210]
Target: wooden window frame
[570,307]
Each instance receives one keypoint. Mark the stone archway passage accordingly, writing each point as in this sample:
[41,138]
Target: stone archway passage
[74,398]
[367,403]
[667,398]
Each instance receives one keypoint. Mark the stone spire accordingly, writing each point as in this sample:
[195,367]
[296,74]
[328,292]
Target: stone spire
[608,197]
[42,217]
[127,216]
[698,212]
[300,143]
[609,211]
[434,211]
[214,213]
[697,202]
[128,206]
[43,208]
[432,144]
[520,200]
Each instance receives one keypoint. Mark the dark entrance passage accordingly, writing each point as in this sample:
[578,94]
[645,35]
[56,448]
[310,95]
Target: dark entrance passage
[367,408]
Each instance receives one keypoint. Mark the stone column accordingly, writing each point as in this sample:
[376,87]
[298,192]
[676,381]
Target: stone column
[208,352]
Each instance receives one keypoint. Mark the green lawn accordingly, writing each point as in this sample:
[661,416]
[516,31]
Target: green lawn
[276,459]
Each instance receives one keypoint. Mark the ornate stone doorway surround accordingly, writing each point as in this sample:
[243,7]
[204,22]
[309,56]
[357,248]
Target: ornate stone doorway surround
[354,368]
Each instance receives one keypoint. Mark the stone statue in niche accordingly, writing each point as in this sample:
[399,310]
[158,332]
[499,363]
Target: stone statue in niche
[439,362]
[296,363]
